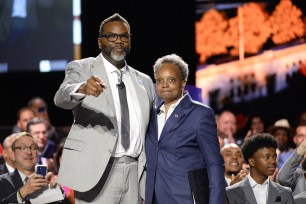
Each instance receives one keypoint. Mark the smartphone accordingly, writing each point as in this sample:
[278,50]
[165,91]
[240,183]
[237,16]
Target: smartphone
[41,109]
[41,169]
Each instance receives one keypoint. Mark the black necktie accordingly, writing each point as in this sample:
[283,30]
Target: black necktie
[25,179]
[39,159]
[26,199]
[125,119]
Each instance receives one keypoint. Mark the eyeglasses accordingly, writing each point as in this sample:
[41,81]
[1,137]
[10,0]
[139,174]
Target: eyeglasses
[112,37]
[24,149]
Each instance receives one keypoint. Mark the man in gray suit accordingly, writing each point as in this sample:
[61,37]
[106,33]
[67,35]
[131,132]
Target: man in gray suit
[292,172]
[300,198]
[95,163]
[259,151]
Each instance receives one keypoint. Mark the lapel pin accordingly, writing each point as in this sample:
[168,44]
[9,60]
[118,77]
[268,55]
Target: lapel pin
[176,115]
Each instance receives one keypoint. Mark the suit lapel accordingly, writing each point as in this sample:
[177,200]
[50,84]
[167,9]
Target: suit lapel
[98,69]
[141,92]
[177,117]
[154,126]
[248,192]
[16,179]
[273,192]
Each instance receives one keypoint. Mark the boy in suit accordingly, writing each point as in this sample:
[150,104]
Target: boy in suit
[259,151]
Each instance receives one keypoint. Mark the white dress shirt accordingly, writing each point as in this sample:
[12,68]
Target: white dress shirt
[136,141]
[260,190]
[162,117]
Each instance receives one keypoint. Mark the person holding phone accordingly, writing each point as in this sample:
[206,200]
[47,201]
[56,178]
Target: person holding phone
[18,186]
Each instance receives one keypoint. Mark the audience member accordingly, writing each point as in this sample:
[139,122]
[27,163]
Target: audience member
[19,185]
[292,174]
[260,153]
[181,139]
[302,117]
[300,134]
[255,125]
[37,127]
[282,132]
[24,114]
[227,124]
[40,106]
[233,163]
[9,165]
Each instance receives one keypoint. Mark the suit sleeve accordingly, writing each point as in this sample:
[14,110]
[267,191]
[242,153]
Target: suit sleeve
[7,193]
[209,145]
[74,78]
[287,176]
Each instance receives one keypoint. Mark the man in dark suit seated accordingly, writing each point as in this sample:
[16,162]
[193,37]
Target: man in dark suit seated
[18,186]
[259,151]
[8,165]
[37,127]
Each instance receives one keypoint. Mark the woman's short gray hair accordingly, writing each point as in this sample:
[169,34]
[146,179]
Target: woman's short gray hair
[172,59]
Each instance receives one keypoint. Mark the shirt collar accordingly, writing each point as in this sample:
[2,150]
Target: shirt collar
[111,68]
[172,106]
[254,183]
[24,176]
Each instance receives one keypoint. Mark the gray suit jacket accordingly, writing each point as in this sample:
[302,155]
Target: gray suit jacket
[300,198]
[94,133]
[291,175]
[242,192]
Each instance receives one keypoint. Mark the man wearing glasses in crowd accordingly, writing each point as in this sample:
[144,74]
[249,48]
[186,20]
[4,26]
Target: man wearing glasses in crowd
[17,186]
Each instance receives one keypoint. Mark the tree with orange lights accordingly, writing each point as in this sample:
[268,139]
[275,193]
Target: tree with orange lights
[210,32]
[256,29]
[286,22]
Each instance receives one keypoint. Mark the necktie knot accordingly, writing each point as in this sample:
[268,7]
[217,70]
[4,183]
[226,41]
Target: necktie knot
[120,82]
[25,179]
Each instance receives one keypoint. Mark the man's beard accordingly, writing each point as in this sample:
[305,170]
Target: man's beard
[118,57]
[121,56]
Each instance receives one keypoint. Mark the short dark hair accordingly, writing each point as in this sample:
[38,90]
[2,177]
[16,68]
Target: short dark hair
[31,101]
[172,59]
[113,18]
[34,121]
[255,142]
[23,109]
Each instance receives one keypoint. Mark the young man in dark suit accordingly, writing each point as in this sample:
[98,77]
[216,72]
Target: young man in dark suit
[259,151]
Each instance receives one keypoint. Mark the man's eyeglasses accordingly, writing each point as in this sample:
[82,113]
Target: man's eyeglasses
[112,37]
[33,148]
